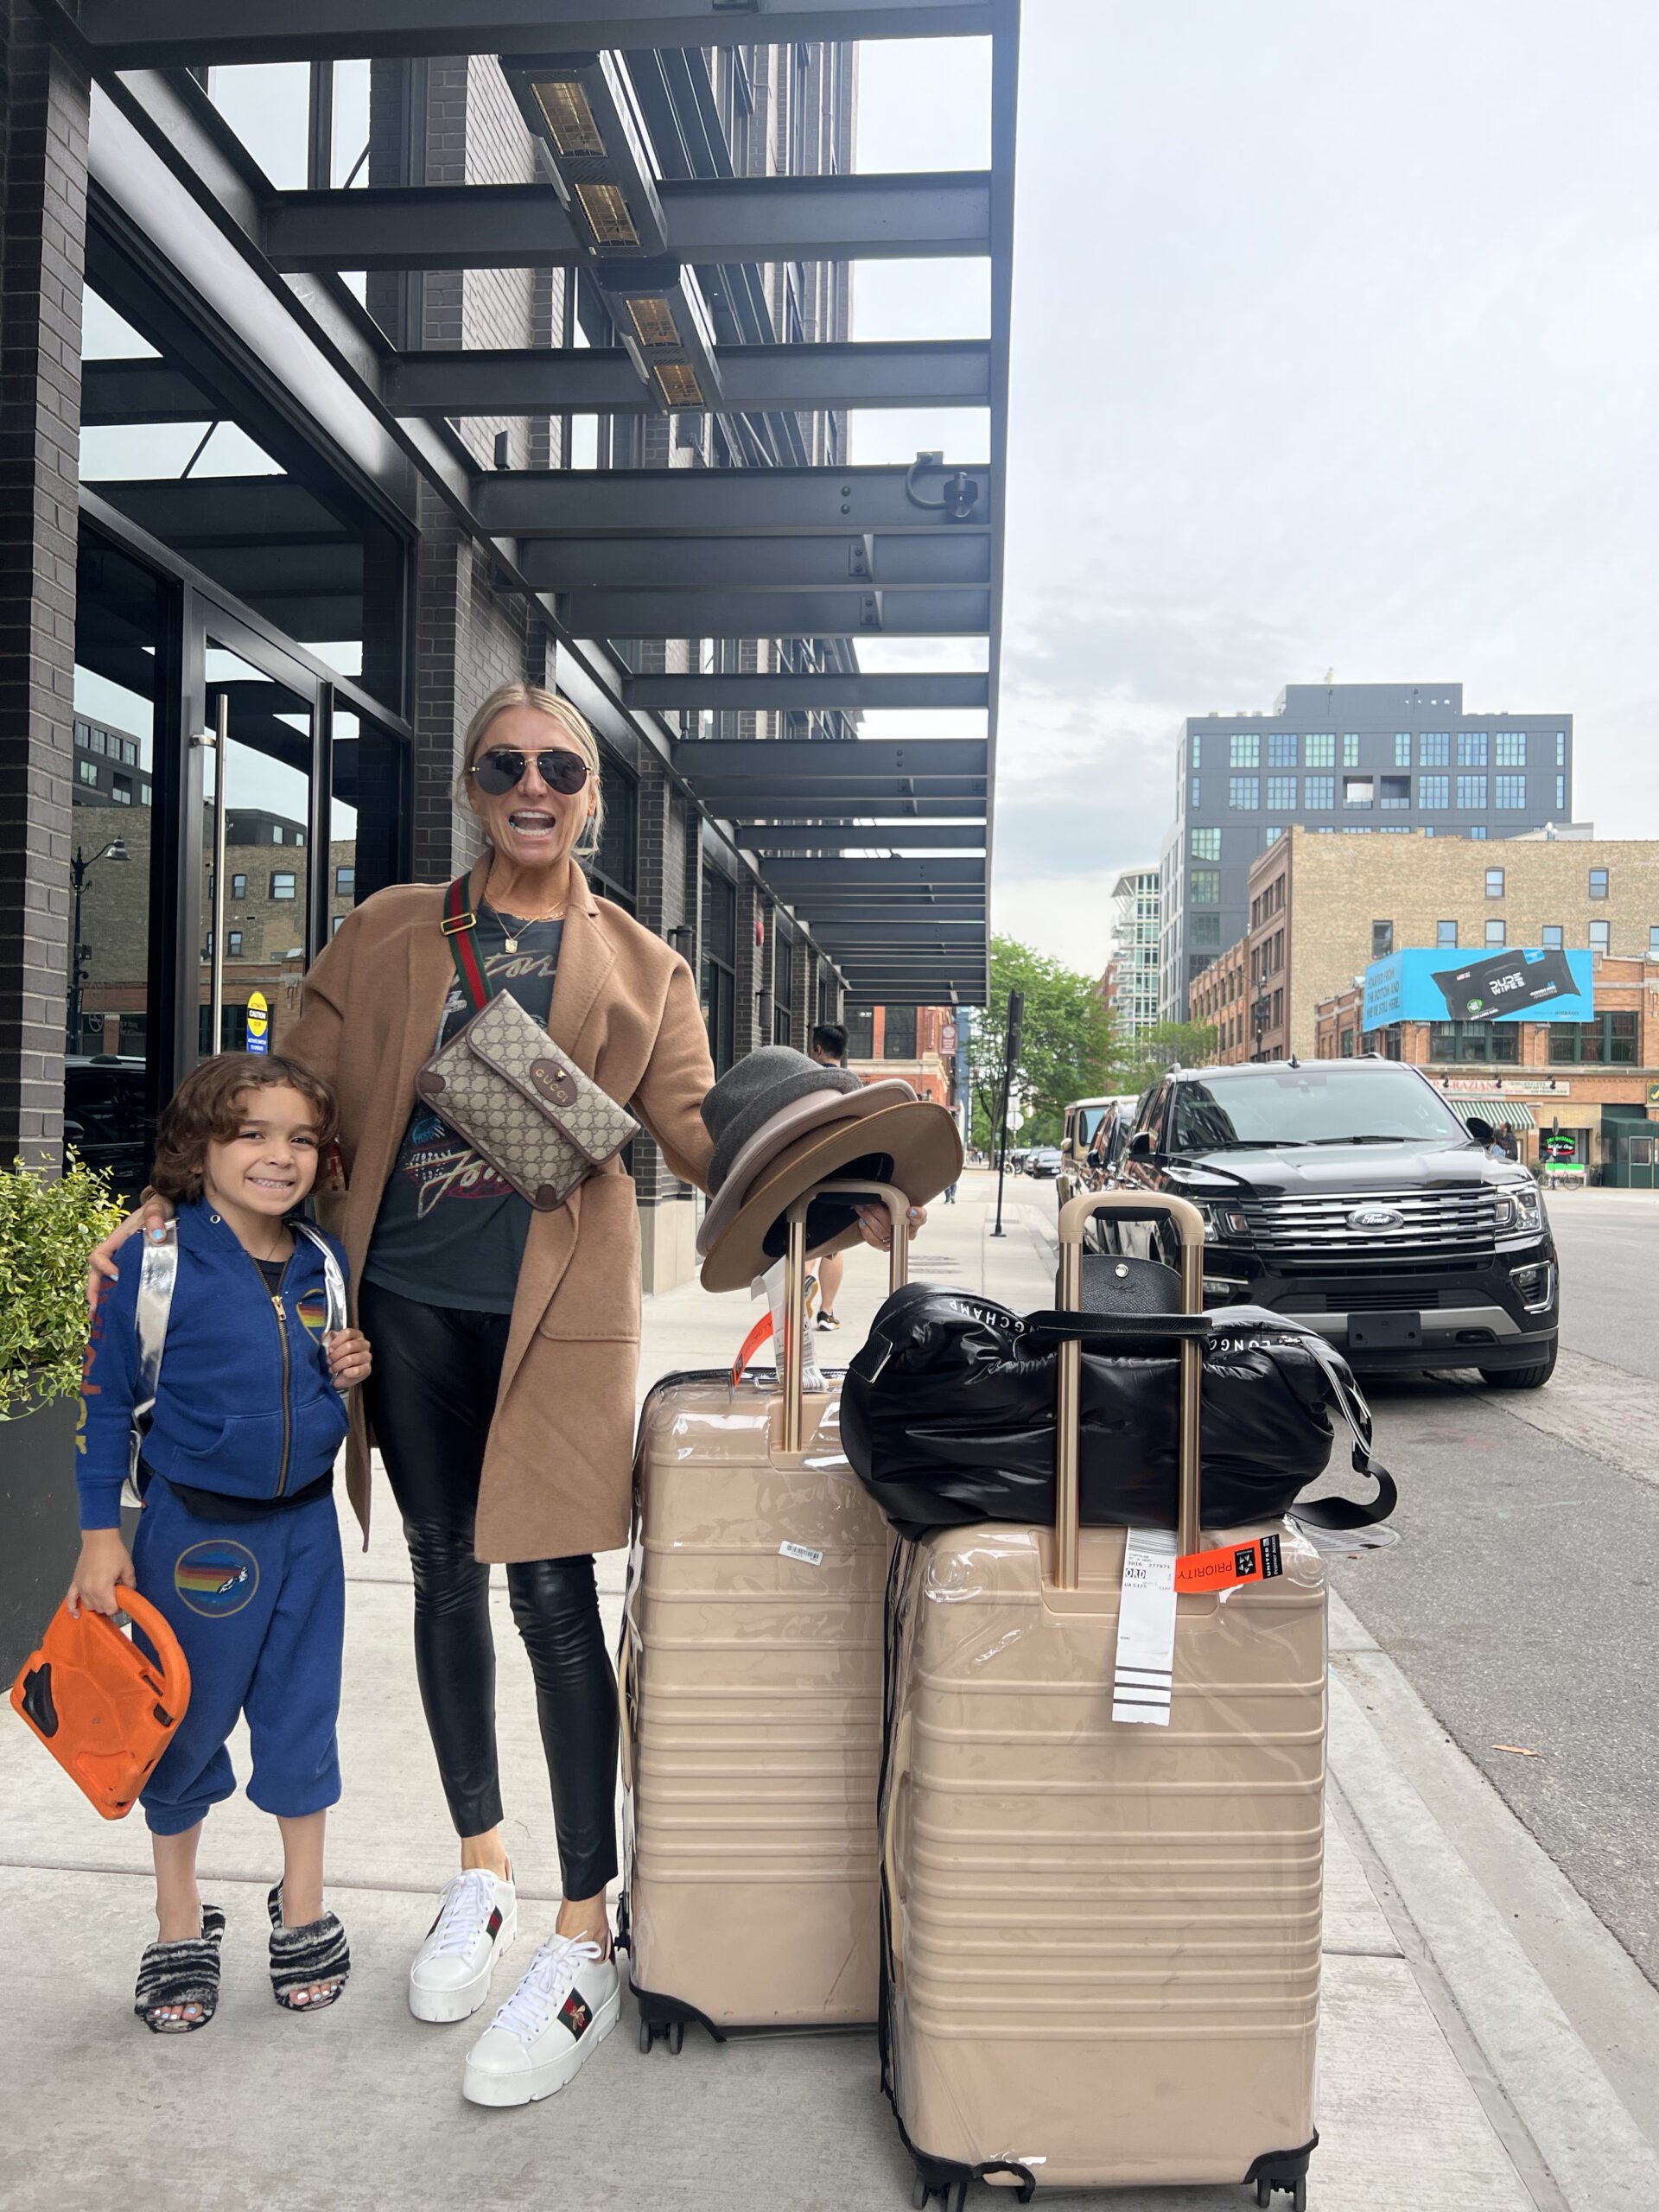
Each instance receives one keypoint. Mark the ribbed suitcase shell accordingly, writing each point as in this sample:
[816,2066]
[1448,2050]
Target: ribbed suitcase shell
[754,1689]
[1105,1938]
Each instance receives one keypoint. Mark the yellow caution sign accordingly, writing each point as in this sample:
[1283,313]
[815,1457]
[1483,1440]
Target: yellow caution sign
[258,1023]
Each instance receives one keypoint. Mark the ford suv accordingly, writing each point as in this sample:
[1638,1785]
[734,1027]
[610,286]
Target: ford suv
[1349,1194]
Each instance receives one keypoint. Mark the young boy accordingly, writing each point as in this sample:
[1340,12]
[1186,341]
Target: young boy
[238,1544]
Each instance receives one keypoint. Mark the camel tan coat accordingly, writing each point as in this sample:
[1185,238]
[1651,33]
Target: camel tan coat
[557,1466]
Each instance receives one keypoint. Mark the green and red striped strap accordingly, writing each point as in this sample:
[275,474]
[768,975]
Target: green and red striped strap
[458,925]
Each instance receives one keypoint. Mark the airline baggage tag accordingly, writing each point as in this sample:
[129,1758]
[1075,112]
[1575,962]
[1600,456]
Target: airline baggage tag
[1144,1672]
[1230,1565]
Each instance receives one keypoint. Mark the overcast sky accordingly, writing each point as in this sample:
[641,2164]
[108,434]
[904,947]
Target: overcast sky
[1336,346]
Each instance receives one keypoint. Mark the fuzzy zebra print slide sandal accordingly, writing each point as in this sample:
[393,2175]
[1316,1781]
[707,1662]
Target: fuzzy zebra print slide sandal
[174,1975]
[302,1956]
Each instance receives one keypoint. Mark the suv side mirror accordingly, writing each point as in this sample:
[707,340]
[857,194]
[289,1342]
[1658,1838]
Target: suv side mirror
[1141,1145]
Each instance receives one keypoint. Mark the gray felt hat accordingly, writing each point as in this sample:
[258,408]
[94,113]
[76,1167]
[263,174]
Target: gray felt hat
[760,1085]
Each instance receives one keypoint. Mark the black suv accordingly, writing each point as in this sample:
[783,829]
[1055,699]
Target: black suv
[1348,1193]
[104,1120]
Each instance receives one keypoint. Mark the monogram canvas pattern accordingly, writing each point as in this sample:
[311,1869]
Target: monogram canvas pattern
[522,1105]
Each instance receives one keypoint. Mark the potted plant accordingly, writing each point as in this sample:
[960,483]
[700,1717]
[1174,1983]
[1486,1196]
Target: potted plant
[48,1225]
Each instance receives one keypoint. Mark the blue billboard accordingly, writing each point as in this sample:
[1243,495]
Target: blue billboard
[1515,984]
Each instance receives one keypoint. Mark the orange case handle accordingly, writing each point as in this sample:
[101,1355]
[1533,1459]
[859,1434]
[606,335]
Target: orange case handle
[175,1668]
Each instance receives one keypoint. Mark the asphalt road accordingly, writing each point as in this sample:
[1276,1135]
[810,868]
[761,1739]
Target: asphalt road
[1523,1603]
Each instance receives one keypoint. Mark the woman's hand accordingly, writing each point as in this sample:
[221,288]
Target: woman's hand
[105,1564]
[152,1217]
[876,1226]
[350,1359]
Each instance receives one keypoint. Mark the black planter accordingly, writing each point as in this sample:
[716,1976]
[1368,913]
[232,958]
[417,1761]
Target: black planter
[39,1526]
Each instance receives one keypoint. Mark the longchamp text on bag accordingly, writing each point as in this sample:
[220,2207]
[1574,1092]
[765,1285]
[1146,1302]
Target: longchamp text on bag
[520,1101]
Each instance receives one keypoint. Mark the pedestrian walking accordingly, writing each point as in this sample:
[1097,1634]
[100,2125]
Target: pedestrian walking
[238,1544]
[827,1046]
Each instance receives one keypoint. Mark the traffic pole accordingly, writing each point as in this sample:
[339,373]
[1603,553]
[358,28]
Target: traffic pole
[1011,1046]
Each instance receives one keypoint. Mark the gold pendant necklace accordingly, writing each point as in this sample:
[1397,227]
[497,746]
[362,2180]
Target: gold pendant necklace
[526,922]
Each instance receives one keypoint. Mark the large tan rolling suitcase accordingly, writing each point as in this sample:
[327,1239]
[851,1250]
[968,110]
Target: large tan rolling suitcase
[751,1684]
[1101,1939]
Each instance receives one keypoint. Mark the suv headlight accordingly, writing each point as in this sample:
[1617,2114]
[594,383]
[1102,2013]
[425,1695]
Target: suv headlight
[1520,1209]
[1223,1222]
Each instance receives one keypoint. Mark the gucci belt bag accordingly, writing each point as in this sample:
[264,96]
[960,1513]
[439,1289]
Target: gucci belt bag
[519,1101]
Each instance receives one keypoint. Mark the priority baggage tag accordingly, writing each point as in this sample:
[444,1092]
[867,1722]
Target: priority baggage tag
[1228,1565]
[1143,1674]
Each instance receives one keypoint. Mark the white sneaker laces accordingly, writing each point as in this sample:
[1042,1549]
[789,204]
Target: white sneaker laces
[465,1903]
[547,1982]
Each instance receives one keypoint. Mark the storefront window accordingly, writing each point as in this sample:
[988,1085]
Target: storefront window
[1609,1040]
[1496,1044]
[898,1034]
[719,967]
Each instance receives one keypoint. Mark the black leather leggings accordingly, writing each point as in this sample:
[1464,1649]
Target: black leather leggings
[431,1399]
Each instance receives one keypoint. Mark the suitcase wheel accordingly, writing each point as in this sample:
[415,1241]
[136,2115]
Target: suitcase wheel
[1298,2192]
[673,2034]
[953,2195]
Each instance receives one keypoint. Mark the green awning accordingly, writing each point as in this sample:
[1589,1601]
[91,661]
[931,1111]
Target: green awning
[1502,1113]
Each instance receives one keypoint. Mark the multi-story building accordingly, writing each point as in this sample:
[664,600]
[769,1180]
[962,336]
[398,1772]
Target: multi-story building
[1220,999]
[1136,929]
[1360,759]
[1594,1082]
[1322,909]
[916,1043]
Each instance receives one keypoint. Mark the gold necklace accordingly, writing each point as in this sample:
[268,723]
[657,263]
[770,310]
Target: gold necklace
[524,921]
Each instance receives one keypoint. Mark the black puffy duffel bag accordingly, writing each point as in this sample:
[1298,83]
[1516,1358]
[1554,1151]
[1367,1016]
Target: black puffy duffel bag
[948,1415]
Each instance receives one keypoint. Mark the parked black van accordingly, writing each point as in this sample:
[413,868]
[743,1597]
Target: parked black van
[1349,1194]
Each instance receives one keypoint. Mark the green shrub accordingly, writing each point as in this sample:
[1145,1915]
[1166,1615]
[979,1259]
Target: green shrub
[48,1225]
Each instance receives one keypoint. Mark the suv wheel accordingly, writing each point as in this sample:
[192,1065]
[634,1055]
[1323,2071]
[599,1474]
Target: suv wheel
[1520,1378]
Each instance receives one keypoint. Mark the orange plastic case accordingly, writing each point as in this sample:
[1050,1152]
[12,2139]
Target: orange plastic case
[104,1711]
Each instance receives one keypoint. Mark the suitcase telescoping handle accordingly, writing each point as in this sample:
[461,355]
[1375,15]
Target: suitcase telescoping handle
[1187,1222]
[794,1347]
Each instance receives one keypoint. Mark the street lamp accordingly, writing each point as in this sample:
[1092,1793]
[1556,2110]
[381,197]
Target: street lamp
[115,850]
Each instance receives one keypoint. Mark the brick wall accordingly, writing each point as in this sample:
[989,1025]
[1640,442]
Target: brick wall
[42,229]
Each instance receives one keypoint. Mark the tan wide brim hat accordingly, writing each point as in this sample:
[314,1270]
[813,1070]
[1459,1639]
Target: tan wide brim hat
[797,1119]
[914,1145]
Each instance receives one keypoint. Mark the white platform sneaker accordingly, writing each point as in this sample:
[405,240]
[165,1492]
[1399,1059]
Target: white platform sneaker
[562,2010]
[478,1919]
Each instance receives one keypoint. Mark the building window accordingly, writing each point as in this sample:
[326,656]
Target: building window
[298,838]
[1471,794]
[234,944]
[1510,793]
[1204,931]
[1318,790]
[1274,834]
[1433,794]
[1601,933]
[719,992]
[1434,749]
[1205,844]
[1494,883]
[1396,792]
[1608,1039]
[1561,794]
[98,740]
[898,1033]
[1350,749]
[238,886]
[1497,934]
[276,833]
[1552,936]
[1196,802]
[1358,791]
[1446,936]
[1478,833]
[1282,794]
[334,921]
[1320,751]
[1206,886]
[1561,749]
[345,882]
[1244,750]
[1347,1049]
[1402,748]
[144,794]
[1243,792]
[121,792]
[1493,1043]
[1281,749]
[1472,748]
[1597,883]
[1653,940]
[1510,748]
[1381,940]
[88,772]
[281,885]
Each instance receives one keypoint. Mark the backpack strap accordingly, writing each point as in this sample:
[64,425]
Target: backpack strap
[333,1279]
[158,1277]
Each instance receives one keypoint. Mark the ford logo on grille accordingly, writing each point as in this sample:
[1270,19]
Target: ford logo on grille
[1376,1217]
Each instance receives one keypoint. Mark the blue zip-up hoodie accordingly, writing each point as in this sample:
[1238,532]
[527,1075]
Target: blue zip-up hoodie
[244,1405]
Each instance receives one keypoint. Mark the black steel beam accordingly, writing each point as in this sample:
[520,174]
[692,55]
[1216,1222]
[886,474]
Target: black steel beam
[141,391]
[945,215]
[753,379]
[837,767]
[874,933]
[851,695]
[870,613]
[201,510]
[792,839]
[727,502]
[898,562]
[805,878]
[186,33]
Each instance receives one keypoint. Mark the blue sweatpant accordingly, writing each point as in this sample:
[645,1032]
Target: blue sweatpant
[259,1607]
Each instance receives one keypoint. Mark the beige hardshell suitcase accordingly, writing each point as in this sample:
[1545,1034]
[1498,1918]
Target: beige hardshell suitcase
[1102,1940]
[751,1682]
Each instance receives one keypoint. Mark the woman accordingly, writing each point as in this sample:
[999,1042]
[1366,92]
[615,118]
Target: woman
[507,1342]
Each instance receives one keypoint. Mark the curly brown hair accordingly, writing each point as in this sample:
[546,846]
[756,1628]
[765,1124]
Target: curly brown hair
[203,1111]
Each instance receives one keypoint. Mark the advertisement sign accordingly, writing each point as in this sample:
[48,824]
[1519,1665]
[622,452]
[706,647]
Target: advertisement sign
[258,1023]
[1517,984]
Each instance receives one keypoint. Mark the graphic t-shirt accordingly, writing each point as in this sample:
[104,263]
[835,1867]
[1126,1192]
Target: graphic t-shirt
[451,1232]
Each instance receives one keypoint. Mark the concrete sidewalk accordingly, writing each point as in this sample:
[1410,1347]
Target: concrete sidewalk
[1486,2047]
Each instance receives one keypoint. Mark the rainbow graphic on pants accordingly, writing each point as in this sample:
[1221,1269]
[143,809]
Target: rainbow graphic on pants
[216,1578]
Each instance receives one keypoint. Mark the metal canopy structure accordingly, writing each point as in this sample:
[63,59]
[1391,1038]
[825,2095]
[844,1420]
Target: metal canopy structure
[765,577]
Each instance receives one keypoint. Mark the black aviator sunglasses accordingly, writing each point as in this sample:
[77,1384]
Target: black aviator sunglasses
[503,769]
